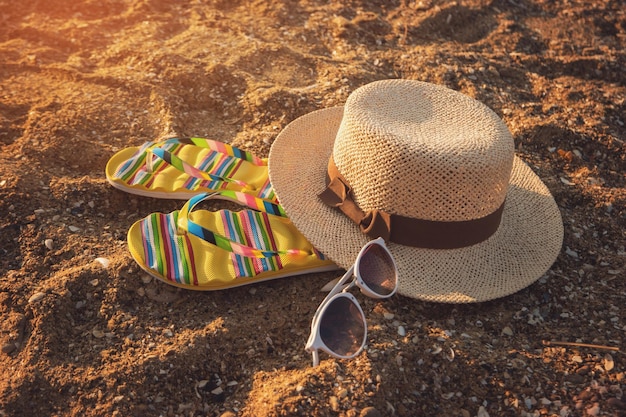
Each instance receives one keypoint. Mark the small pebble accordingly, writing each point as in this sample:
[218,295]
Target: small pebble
[399,361]
[334,403]
[370,412]
[228,414]
[401,331]
[8,348]
[482,412]
[388,316]
[49,243]
[609,364]
[36,297]
[507,331]
[74,229]
[593,410]
[103,261]
[571,253]
[528,402]
[583,370]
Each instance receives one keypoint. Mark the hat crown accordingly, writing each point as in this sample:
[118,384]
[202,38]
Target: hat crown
[423,151]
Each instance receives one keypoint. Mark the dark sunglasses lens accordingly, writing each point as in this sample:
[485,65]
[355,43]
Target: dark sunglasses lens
[342,327]
[377,270]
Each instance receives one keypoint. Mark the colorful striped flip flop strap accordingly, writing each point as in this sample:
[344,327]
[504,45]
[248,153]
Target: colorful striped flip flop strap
[256,224]
[188,169]
[212,172]
[222,148]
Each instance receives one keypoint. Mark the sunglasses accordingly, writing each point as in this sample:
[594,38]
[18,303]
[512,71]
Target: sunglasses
[339,327]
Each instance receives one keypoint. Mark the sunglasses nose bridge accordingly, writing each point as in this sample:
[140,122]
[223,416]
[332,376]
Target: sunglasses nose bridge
[351,284]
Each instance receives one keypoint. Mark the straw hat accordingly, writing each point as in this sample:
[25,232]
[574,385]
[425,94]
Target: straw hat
[432,171]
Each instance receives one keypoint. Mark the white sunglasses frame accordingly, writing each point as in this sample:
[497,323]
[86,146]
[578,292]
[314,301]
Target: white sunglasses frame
[315,342]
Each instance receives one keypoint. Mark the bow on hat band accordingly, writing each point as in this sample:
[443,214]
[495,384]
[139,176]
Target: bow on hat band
[403,230]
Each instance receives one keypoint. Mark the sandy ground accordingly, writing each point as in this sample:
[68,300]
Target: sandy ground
[82,79]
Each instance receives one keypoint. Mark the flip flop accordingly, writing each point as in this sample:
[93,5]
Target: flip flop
[213,250]
[180,168]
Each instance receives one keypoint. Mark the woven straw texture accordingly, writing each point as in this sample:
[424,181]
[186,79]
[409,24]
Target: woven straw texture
[455,166]
[399,157]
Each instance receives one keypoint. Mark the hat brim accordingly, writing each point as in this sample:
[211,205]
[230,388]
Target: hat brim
[523,248]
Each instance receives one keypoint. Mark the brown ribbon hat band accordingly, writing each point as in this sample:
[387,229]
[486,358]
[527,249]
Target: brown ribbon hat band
[403,230]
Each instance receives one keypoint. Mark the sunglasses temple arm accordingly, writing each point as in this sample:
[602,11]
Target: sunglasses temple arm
[316,357]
